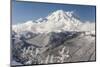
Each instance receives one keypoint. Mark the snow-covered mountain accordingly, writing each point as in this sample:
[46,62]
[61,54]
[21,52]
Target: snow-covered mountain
[59,37]
[55,22]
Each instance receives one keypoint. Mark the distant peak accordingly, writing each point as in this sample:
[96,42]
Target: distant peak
[59,12]
[63,12]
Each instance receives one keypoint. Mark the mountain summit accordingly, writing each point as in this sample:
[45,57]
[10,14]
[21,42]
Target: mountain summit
[60,14]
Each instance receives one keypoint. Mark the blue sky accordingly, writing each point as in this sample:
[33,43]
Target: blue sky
[25,11]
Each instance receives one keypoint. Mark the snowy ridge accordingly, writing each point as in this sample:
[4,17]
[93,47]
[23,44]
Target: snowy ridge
[57,21]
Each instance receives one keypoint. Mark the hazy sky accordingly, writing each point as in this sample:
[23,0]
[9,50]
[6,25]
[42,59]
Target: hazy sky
[25,11]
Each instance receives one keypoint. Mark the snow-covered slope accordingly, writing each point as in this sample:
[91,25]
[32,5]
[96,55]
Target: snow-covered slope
[53,47]
[55,22]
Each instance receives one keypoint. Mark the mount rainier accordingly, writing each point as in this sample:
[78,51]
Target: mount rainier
[58,38]
[57,21]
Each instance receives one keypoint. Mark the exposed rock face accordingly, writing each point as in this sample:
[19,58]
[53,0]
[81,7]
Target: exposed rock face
[54,48]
